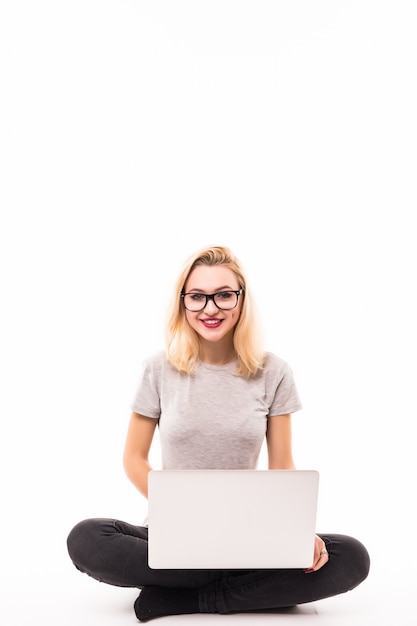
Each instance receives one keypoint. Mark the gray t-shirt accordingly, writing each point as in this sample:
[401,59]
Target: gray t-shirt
[214,419]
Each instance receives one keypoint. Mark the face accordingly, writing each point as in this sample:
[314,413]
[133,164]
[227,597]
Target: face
[213,324]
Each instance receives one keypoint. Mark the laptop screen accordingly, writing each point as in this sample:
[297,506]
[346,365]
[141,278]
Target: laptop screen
[232,519]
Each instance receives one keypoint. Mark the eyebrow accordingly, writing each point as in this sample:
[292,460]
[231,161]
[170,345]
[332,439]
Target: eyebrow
[224,288]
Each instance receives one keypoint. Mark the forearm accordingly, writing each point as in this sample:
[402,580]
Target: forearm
[281,465]
[136,452]
[137,471]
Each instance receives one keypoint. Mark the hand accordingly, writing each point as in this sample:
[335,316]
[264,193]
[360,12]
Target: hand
[321,556]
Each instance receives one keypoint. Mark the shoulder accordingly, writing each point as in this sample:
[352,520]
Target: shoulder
[158,365]
[272,362]
[276,369]
[154,363]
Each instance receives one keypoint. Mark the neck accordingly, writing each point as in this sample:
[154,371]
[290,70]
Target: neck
[213,354]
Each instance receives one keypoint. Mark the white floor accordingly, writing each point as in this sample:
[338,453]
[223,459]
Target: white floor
[76,599]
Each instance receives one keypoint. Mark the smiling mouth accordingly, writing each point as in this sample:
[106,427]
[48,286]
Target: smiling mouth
[211,323]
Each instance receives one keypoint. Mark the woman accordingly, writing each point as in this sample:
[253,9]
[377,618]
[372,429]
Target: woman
[213,383]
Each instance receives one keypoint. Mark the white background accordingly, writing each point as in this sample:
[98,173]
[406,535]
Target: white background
[132,133]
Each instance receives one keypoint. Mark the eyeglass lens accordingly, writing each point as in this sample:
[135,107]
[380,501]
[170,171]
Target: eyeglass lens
[198,301]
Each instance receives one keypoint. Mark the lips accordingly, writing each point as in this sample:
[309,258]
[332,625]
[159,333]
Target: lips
[211,323]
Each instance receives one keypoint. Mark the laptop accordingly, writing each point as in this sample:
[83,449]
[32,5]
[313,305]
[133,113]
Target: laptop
[232,519]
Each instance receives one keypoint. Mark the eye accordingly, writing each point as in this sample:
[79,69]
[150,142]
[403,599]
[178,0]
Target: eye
[196,297]
[224,295]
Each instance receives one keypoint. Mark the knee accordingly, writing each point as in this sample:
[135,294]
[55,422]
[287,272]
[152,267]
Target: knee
[354,559]
[80,539]
[360,560]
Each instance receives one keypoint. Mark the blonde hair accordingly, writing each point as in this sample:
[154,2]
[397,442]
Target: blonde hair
[182,342]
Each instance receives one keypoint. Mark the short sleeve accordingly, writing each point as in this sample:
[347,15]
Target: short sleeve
[147,398]
[286,398]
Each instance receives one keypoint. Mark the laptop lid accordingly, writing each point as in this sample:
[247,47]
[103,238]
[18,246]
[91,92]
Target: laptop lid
[232,519]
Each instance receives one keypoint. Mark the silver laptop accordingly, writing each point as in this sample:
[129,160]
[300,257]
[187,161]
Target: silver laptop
[232,519]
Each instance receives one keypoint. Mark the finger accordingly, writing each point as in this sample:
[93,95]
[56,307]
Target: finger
[322,559]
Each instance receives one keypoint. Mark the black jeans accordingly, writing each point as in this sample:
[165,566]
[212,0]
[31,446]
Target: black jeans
[116,553]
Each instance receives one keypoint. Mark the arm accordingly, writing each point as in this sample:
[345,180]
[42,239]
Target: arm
[279,442]
[135,457]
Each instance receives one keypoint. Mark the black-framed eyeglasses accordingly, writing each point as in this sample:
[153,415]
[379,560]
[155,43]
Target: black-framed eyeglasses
[224,300]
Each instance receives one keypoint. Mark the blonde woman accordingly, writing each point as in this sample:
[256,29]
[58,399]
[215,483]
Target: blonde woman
[213,384]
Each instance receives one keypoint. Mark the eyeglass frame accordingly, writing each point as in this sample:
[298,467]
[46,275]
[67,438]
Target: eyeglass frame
[211,296]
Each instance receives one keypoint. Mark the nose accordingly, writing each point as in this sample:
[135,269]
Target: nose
[211,305]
